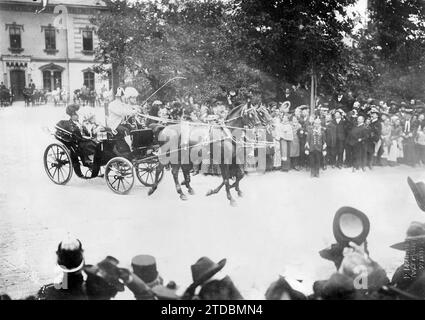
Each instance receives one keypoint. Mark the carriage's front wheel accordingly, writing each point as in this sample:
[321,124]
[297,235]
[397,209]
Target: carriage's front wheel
[119,175]
[146,172]
[58,164]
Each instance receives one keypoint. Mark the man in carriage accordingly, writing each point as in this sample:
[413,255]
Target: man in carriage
[119,112]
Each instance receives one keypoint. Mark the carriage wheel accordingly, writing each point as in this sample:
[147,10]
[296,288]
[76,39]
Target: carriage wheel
[119,175]
[58,164]
[146,172]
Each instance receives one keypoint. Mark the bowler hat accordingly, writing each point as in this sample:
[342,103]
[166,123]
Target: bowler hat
[72,109]
[204,269]
[416,231]
[144,266]
[352,216]
[418,190]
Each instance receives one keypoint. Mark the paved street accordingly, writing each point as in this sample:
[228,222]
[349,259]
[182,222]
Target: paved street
[35,214]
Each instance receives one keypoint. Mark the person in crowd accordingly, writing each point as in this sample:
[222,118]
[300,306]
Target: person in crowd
[295,143]
[70,283]
[286,137]
[420,144]
[375,137]
[331,137]
[408,134]
[316,147]
[358,136]
[411,276]
[282,290]
[340,136]
[277,163]
[211,288]
[351,123]
[386,139]
[396,149]
[145,267]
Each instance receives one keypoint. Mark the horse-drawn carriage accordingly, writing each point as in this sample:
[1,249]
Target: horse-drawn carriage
[63,158]
[5,97]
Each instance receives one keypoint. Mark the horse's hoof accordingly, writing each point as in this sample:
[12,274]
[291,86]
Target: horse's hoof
[191,192]
[233,203]
[183,197]
[210,193]
[240,194]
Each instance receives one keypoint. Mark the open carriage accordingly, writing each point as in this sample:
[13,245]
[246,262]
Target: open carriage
[121,166]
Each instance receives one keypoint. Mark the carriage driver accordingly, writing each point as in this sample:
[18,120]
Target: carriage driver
[119,110]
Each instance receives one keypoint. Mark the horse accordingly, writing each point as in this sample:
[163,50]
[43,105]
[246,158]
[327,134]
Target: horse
[183,142]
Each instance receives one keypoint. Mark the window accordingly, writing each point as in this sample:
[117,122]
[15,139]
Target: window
[50,37]
[52,80]
[89,80]
[87,40]
[47,81]
[15,37]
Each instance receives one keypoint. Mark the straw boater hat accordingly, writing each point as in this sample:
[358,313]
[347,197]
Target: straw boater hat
[416,232]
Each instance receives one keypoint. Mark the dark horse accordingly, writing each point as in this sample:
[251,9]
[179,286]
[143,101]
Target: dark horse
[181,145]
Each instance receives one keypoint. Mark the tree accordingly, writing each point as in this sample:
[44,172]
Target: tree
[389,53]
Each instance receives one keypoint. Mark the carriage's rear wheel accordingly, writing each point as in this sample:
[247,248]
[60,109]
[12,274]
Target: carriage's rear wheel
[119,175]
[146,172]
[58,164]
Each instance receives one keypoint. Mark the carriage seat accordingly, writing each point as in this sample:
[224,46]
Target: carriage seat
[156,129]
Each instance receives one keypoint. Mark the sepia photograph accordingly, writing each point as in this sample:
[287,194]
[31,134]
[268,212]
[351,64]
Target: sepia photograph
[212,150]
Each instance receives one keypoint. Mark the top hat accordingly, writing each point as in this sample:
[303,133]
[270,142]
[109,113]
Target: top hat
[204,269]
[144,266]
[418,190]
[72,109]
[416,231]
[108,270]
[350,225]
[70,257]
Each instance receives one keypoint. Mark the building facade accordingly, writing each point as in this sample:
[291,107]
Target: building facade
[52,49]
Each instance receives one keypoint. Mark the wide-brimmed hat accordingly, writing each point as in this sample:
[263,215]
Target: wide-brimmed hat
[415,232]
[108,270]
[418,190]
[70,256]
[204,269]
[144,266]
[344,238]
[72,109]
[131,92]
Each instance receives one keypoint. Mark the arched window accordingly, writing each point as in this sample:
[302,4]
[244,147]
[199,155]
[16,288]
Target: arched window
[52,76]
[89,80]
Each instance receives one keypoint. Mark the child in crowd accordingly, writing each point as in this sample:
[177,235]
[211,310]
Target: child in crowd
[315,147]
